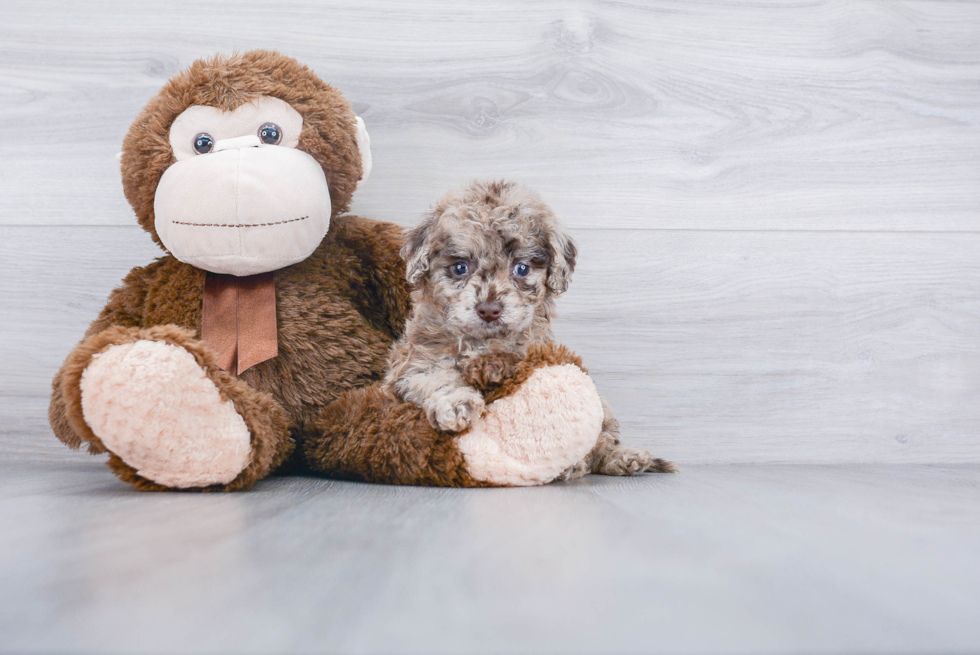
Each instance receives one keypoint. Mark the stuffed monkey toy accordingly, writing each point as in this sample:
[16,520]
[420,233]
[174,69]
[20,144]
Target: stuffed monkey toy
[244,346]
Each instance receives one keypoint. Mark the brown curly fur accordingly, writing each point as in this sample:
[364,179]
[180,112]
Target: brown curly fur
[337,312]
[488,372]
[498,375]
[394,443]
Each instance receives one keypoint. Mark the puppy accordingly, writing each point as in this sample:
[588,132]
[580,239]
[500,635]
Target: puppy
[486,264]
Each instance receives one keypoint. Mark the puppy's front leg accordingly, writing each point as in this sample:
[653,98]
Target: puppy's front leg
[453,409]
[609,457]
[448,403]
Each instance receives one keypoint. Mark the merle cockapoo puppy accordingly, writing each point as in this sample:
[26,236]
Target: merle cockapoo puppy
[486,264]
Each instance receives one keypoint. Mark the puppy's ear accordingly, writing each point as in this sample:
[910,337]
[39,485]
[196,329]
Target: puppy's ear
[416,248]
[562,254]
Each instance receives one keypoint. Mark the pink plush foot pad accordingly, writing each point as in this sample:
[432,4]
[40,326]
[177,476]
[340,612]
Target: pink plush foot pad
[532,435]
[152,405]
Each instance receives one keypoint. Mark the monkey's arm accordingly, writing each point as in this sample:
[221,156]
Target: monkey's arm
[385,300]
[369,434]
[124,309]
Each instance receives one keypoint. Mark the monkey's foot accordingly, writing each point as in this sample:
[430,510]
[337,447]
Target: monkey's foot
[155,408]
[534,434]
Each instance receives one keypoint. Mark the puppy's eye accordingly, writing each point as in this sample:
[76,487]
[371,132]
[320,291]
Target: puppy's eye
[270,133]
[521,269]
[203,143]
[459,269]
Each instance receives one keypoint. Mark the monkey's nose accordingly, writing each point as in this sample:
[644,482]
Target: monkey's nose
[489,311]
[248,141]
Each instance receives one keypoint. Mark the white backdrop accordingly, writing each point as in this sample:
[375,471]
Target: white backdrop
[777,204]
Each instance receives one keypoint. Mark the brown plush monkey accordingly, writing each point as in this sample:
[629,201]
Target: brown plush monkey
[209,366]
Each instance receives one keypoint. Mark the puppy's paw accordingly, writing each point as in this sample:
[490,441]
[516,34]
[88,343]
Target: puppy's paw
[489,371]
[574,472]
[455,411]
[630,461]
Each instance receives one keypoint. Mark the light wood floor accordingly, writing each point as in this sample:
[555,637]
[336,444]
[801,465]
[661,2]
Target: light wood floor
[716,559]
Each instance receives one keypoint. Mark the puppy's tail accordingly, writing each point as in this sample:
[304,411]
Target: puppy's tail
[661,466]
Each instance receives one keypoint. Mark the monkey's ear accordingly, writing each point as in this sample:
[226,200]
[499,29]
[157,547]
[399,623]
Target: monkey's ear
[563,254]
[364,146]
[416,248]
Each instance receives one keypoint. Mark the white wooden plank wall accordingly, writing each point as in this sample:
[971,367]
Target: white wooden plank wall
[778,204]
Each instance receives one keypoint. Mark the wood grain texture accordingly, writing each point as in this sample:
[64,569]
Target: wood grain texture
[725,559]
[826,115]
[711,346]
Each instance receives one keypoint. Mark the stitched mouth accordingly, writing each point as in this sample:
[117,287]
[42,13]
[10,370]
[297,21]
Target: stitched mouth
[291,220]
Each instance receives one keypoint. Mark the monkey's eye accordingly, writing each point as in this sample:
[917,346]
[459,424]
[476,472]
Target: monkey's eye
[203,143]
[270,133]
[459,269]
[521,269]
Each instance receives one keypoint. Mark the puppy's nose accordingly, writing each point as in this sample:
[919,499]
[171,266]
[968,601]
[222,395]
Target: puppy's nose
[489,311]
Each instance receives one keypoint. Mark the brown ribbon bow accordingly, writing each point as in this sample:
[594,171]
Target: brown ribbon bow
[239,319]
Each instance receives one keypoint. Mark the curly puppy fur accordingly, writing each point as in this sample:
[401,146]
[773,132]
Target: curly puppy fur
[486,264]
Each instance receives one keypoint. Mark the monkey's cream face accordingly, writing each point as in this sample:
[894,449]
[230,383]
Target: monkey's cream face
[242,198]
[489,279]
